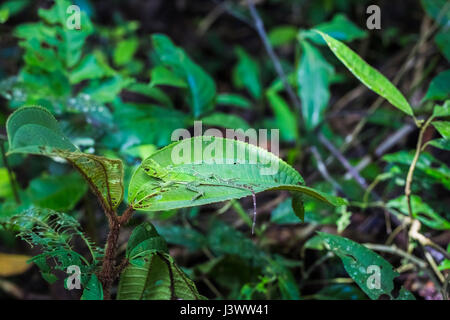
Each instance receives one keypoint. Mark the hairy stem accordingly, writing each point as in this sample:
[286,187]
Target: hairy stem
[109,271]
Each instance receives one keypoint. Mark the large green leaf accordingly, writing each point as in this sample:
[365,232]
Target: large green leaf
[201,86]
[221,169]
[34,130]
[373,79]
[151,273]
[361,264]
[313,77]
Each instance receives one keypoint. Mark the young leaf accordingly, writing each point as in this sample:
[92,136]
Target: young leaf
[368,75]
[34,130]
[219,169]
[362,265]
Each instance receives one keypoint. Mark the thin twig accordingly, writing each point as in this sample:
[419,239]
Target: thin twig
[259,25]
[323,170]
[409,177]
[397,251]
[345,163]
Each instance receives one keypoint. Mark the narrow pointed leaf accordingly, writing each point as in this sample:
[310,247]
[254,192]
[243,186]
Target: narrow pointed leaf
[373,79]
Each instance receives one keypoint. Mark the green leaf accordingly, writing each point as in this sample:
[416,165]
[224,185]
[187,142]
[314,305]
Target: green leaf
[442,111]
[230,99]
[439,10]
[421,211]
[286,120]
[201,86]
[225,120]
[152,273]
[93,290]
[182,236]
[160,75]
[443,127]
[217,174]
[107,90]
[282,35]
[313,77]
[439,88]
[92,66]
[155,276]
[59,193]
[4,15]
[339,28]
[283,213]
[223,239]
[247,74]
[136,120]
[358,262]
[368,75]
[34,130]
[14,6]
[124,51]
[72,41]
[442,40]
[145,239]
[443,144]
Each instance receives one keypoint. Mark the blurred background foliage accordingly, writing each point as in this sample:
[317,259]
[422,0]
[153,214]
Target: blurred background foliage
[138,70]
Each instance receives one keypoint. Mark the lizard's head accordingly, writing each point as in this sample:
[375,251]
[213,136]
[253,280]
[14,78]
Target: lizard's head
[153,168]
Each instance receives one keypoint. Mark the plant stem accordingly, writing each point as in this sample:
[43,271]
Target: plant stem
[410,175]
[109,272]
